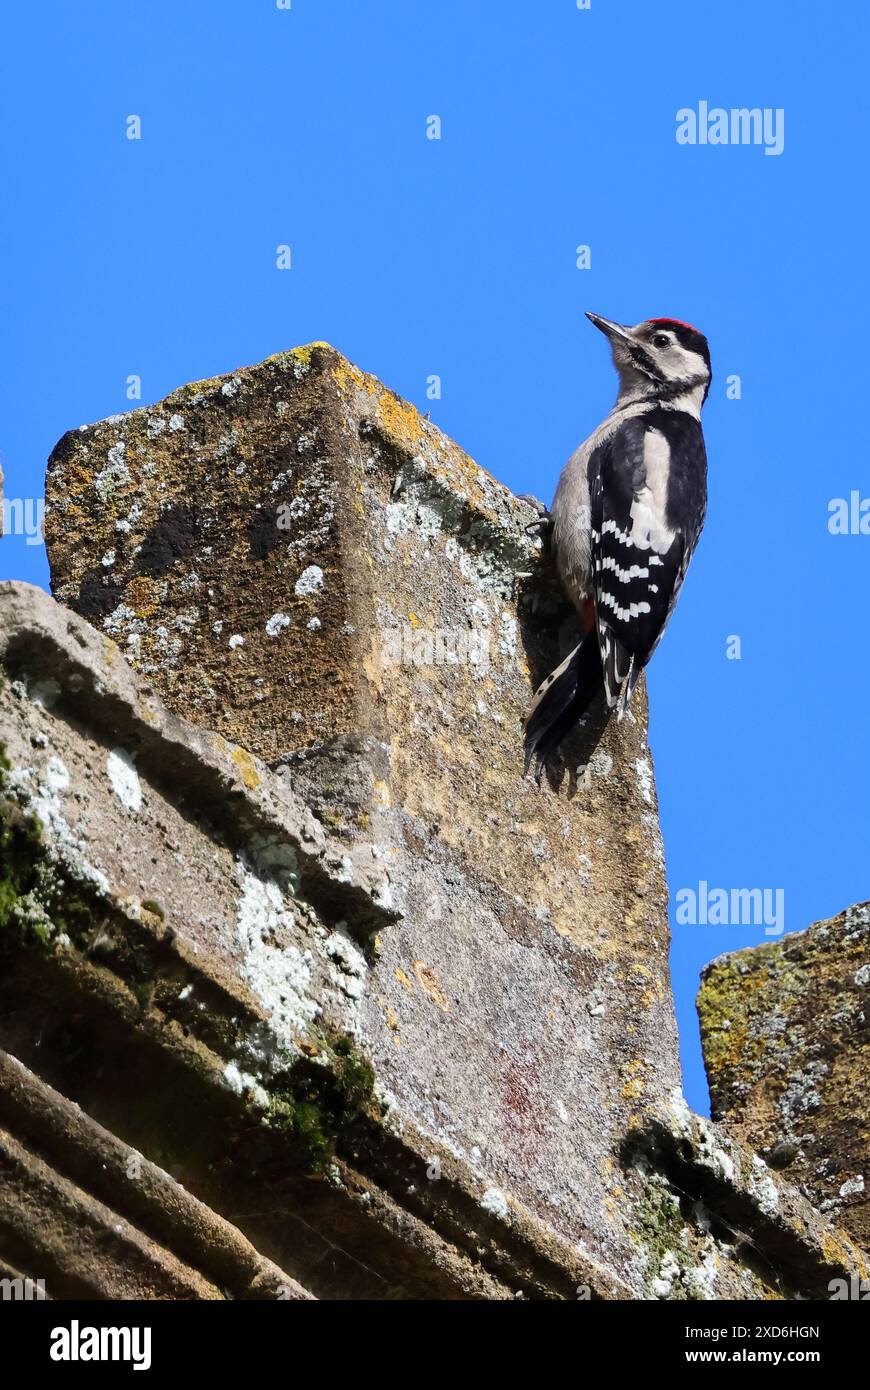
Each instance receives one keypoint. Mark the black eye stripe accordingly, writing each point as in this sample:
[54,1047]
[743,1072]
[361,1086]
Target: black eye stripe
[641,358]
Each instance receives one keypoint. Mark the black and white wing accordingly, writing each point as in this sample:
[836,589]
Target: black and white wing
[648,492]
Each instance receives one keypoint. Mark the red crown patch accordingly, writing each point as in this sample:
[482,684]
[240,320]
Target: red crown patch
[682,323]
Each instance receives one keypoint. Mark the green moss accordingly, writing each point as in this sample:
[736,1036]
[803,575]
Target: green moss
[154,907]
[659,1228]
[143,990]
[315,1103]
[737,994]
[294,1110]
[20,852]
[354,1074]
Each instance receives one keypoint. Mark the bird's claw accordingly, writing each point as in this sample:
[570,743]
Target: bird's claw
[544,521]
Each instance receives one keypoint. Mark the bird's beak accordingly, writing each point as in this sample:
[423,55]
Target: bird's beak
[613,330]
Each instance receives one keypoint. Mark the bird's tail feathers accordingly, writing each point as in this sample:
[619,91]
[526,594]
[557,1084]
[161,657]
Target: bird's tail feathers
[561,701]
[619,668]
[631,681]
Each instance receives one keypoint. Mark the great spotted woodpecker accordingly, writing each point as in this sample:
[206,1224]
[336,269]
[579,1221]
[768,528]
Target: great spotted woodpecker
[626,518]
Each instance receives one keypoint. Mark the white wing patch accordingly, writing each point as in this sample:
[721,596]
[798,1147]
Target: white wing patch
[649,528]
[624,537]
[633,610]
[633,571]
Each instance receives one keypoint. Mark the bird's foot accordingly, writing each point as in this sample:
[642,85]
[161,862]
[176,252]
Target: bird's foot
[544,521]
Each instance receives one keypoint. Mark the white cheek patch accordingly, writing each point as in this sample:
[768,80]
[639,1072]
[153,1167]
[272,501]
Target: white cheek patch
[682,365]
[649,528]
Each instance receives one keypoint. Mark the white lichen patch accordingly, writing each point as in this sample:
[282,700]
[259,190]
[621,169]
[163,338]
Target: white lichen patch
[309,581]
[120,618]
[277,623]
[382,894]
[226,444]
[701,1280]
[236,641]
[715,1154]
[645,780]
[245,1085]
[124,779]
[126,524]
[295,509]
[41,797]
[679,1112]
[507,641]
[763,1187]
[115,473]
[176,423]
[852,1187]
[495,1202]
[348,968]
[479,613]
[56,775]
[277,970]
[405,517]
[669,1270]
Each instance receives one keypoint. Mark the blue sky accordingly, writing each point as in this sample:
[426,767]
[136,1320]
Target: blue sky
[307,126]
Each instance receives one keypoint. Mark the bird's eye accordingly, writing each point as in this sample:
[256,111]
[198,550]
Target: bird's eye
[660,340]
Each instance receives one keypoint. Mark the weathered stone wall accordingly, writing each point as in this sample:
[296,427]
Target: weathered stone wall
[273,551]
[787,1048]
[280,914]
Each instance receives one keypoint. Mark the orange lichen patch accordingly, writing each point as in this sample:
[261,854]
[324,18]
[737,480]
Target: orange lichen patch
[247,767]
[143,596]
[428,980]
[302,354]
[837,1253]
[347,377]
[633,1088]
[391,1018]
[382,796]
[650,997]
[404,979]
[400,419]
